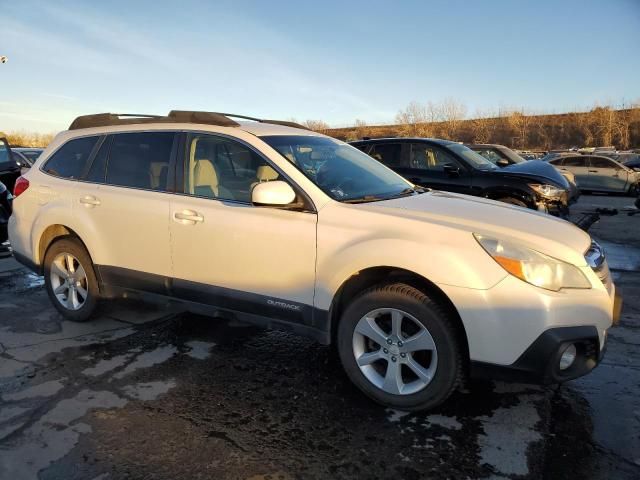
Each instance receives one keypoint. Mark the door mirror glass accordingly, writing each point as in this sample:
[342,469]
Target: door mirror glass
[502,163]
[273,194]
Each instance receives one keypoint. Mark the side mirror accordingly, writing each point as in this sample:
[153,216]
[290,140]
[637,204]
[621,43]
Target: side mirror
[451,170]
[273,194]
[502,163]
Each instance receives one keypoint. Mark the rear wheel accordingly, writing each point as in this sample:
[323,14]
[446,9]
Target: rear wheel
[400,348]
[70,279]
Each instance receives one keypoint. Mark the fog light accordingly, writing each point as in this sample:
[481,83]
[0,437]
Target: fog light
[568,357]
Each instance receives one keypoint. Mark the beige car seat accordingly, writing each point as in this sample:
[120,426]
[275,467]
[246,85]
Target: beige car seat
[205,181]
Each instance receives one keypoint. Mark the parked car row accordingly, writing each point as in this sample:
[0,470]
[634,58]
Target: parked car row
[503,156]
[453,167]
[599,173]
[270,223]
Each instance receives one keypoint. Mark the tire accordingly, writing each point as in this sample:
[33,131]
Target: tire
[420,313]
[85,286]
[512,201]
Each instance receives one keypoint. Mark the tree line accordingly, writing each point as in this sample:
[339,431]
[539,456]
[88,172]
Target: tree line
[602,125]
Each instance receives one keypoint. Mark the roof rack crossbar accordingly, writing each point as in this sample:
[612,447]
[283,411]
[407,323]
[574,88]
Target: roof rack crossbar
[174,116]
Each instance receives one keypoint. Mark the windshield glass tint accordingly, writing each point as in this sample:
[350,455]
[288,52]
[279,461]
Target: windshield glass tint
[475,159]
[340,170]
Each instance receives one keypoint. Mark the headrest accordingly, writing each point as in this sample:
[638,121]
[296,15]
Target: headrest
[205,174]
[266,173]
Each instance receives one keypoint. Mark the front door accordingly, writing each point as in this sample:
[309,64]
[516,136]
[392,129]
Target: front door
[579,166]
[606,175]
[230,254]
[433,167]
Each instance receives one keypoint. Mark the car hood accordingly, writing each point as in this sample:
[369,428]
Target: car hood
[544,233]
[536,168]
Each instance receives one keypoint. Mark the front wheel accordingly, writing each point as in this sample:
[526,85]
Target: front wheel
[400,348]
[70,279]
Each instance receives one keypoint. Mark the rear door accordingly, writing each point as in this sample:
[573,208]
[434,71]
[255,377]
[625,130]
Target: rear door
[606,175]
[123,204]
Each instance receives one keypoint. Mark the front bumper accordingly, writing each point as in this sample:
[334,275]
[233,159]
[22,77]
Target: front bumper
[502,322]
[540,363]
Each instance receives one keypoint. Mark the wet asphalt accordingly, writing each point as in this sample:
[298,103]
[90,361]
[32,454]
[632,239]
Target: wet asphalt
[152,392]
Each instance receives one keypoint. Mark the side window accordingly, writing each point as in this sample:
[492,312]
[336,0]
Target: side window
[221,168]
[489,154]
[426,157]
[140,160]
[70,159]
[598,162]
[98,170]
[575,162]
[557,162]
[387,153]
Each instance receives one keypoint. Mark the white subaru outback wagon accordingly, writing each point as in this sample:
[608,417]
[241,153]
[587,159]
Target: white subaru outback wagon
[266,222]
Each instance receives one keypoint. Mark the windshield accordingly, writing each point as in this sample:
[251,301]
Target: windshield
[475,159]
[340,170]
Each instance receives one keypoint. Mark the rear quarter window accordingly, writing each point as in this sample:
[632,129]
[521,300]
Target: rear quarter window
[70,160]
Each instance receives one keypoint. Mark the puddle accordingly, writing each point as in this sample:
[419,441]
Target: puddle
[33,281]
[52,436]
[45,389]
[106,365]
[446,422]
[149,390]
[148,359]
[508,432]
[199,350]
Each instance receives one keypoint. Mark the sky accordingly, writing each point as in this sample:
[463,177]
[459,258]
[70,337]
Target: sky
[329,60]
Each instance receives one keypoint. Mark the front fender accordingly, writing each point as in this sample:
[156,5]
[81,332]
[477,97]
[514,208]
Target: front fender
[441,262]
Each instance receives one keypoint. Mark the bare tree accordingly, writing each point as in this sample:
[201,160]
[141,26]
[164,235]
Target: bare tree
[452,113]
[319,126]
[520,121]
[482,127]
[361,129]
[413,120]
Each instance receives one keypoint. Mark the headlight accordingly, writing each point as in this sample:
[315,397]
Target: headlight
[533,267]
[547,191]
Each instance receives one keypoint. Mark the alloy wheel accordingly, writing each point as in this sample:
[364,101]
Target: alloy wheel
[69,281]
[394,351]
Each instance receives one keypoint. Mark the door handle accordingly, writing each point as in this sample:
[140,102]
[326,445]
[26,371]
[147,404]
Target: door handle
[593,171]
[188,216]
[89,201]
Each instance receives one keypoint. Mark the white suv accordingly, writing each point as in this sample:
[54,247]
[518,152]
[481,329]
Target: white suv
[280,226]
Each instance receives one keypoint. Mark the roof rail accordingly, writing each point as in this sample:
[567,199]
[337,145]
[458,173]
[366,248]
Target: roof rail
[174,116]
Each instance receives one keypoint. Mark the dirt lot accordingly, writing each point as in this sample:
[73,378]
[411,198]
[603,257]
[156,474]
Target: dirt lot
[150,392]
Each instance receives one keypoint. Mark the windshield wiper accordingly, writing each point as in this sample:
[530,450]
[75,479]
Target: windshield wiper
[363,199]
[408,191]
